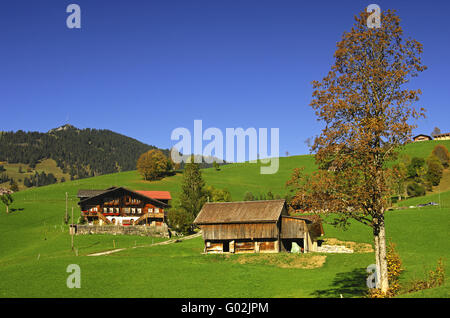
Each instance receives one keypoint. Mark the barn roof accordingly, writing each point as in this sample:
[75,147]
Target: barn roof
[267,211]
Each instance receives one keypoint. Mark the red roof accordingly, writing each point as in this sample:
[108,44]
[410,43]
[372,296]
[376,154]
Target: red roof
[158,195]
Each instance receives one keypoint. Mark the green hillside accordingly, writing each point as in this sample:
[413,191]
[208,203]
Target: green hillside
[35,246]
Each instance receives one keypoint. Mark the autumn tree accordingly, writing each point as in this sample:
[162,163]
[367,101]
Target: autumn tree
[366,113]
[436,131]
[434,170]
[398,176]
[154,164]
[441,152]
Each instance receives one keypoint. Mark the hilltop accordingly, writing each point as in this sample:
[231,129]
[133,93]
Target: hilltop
[63,127]
[68,153]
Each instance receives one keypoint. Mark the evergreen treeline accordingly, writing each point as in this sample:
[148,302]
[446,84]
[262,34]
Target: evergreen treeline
[81,153]
[39,179]
[4,177]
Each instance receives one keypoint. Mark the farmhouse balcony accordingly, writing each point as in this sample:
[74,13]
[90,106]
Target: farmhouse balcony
[149,216]
[89,213]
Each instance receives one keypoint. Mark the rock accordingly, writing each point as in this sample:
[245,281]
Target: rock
[333,249]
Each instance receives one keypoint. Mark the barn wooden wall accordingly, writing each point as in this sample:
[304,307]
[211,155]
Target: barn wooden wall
[292,228]
[239,231]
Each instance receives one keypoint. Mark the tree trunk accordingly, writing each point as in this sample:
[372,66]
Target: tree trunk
[384,283]
[376,239]
[7,209]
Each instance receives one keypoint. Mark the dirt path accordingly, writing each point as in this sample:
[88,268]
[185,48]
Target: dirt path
[159,243]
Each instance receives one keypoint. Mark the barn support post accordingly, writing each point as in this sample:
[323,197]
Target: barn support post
[72,231]
[305,242]
[314,246]
[310,243]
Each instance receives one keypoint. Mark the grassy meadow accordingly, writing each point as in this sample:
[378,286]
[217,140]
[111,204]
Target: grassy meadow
[35,246]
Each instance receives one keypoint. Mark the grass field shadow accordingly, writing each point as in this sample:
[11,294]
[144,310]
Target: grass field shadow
[16,209]
[347,285]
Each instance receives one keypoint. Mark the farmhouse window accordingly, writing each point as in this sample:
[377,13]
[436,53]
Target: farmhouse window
[156,210]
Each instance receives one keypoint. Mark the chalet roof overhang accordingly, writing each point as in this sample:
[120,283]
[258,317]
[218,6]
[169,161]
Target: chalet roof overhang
[422,135]
[113,191]
[87,193]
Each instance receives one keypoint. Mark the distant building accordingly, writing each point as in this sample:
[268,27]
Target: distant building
[121,206]
[256,227]
[445,136]
[422,138]
[5,191]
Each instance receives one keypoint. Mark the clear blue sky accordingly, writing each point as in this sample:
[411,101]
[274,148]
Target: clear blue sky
[143,68]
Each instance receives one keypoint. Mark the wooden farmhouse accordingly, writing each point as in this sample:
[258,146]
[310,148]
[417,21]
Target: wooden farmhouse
[256,227]
[445,136]
[422,138]
[121,206]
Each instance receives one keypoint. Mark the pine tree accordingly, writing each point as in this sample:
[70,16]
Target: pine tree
[193,194]
[13,185]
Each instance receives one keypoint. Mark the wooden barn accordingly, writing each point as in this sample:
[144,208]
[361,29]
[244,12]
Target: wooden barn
[121,206]
[256,227]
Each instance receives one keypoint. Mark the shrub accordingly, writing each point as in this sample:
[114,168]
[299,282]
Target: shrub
[249,196]
[180,221]
[415,190]
[435,278]
[218,195]
[441,152]
[395,268]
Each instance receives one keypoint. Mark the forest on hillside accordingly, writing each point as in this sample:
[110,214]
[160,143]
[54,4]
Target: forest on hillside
[78,152]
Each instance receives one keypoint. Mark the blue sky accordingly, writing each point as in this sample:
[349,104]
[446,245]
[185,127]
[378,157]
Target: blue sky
[144,68]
